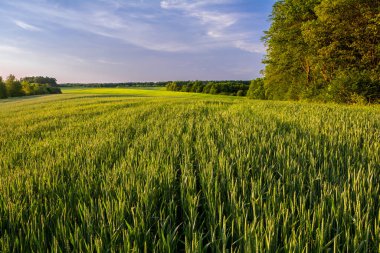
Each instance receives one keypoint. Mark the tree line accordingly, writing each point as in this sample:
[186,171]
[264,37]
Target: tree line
[36,85]
[326,50]
[115,85]
[234,88]
[318,50]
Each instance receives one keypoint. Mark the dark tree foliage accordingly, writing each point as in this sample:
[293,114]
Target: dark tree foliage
[41,80]
[3,90]
[324,50]
[234,88]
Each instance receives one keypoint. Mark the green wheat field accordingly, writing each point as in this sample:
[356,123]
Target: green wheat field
[127,170]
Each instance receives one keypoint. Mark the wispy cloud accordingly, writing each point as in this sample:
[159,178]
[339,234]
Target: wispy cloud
[178,39]
[125,26]
[108,62]
[27,26]
[115,19]
[250,46]
[10,49]
[189,5]
[222,27]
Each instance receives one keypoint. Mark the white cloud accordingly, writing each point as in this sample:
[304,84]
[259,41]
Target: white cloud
[188,5]
[27,26]
[215,19]
[221,27]
[251,47]
[108,62]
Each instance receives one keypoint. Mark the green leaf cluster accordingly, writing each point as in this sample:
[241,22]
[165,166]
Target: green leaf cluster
[12,87]
[233,88]
[256,89]
[324,50]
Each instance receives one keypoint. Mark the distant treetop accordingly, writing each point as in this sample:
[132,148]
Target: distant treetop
[40,80]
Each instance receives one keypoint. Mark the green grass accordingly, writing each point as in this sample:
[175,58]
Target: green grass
[145,92]
[110,170]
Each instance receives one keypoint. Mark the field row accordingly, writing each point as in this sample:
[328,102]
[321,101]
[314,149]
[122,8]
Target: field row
[169,174]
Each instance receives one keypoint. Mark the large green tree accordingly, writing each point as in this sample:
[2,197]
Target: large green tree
[345,41]
[288,64]
[256,89]
[323,49]
[13,86]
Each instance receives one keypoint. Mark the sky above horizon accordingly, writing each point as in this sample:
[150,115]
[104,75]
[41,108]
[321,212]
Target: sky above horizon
[133,40]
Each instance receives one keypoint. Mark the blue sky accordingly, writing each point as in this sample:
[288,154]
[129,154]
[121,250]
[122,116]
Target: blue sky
[133,40]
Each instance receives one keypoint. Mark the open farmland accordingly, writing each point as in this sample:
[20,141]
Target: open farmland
[108,170]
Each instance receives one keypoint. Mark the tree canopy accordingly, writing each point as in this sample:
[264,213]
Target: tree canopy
[323,50]
[232,87]
[12,87]
[41,80]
